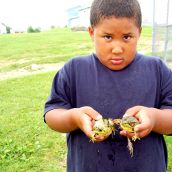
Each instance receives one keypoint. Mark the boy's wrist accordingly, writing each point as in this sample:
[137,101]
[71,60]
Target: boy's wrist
[157,119]
[74,117]
[153,117]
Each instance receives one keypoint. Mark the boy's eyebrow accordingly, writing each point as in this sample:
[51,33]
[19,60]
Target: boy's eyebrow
[127,33]
[106,33]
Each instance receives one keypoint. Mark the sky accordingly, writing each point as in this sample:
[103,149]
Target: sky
[19,14]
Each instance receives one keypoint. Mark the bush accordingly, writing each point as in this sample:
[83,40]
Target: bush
[8,29]
[30,29]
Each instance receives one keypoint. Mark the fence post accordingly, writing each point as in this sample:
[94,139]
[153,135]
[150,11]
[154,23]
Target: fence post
[153,30]
[166,33]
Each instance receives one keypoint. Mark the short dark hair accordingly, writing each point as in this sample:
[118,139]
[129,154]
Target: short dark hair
[101,9]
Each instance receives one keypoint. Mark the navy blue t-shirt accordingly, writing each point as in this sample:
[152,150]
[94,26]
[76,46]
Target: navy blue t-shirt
[84,81]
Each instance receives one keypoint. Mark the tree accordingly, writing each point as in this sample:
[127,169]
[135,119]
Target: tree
[30,29]
[8,29]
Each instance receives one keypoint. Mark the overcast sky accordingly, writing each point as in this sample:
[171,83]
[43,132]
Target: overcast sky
[20,14]
[38,13]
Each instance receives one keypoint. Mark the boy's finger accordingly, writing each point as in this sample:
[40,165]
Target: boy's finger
[133,111]
[143,133]
[141,127]
[87,129]
[101,138]
[145,122]
[126,134]
[91,112]
[123,133]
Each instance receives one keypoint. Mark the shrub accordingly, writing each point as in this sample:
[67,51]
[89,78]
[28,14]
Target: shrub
[30,29]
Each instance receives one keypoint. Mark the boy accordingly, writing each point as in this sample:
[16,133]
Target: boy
[114,81]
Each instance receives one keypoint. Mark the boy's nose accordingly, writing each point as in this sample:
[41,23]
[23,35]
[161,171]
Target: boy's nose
[117,49]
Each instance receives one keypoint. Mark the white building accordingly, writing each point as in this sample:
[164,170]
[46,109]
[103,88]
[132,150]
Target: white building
[78,16]
[2,28]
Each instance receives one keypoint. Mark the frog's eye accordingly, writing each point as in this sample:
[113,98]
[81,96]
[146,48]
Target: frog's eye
[132,124]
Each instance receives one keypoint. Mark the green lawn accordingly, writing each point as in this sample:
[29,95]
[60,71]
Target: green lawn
[56,45]
[169,145]
[26,143]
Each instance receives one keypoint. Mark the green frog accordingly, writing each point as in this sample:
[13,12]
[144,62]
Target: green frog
[102,127]
[128,123]
[105,126]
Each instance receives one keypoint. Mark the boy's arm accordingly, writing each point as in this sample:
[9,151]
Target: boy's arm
[63,120]
[60,120]
[151,119]
[162,120]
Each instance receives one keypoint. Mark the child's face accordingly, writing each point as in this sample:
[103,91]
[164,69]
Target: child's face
[115,41]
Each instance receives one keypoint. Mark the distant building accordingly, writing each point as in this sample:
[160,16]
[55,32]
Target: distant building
[73,16]
[5,29]
[78,16]
[2,28]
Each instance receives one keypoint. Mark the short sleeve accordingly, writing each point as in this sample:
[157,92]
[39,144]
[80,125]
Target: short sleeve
[166,87]
[60,91]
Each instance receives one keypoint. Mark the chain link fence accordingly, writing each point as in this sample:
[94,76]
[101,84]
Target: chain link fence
[162,29]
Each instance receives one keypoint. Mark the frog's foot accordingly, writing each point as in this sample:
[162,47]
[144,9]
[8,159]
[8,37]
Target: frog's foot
[92,138]
[135,137]
[116,121]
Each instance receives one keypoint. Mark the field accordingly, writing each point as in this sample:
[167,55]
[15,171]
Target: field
[26,143]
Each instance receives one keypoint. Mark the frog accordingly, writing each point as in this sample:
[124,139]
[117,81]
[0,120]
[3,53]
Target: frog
[106,126]
[128,123]
[102,127]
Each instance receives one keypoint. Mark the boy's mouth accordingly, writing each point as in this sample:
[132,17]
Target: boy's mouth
[117,61]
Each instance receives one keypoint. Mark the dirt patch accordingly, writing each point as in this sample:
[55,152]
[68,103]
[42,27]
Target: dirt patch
[33,69]
[38,68]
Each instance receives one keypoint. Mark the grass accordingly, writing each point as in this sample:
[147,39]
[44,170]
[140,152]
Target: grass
[26,143]
[169,145]
[57,45]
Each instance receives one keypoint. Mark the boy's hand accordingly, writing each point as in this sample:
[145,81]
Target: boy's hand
[146,118]
[84,118]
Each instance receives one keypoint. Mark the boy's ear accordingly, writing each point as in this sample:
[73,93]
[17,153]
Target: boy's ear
[91,32]
[140,30]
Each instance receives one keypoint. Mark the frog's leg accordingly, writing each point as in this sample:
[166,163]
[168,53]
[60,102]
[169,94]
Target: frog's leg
[92,138]
[130,147]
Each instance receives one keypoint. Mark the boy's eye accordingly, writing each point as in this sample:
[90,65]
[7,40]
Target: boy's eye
[108,37]
[127,37]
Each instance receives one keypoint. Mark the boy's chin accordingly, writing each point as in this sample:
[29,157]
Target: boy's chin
[116,67]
